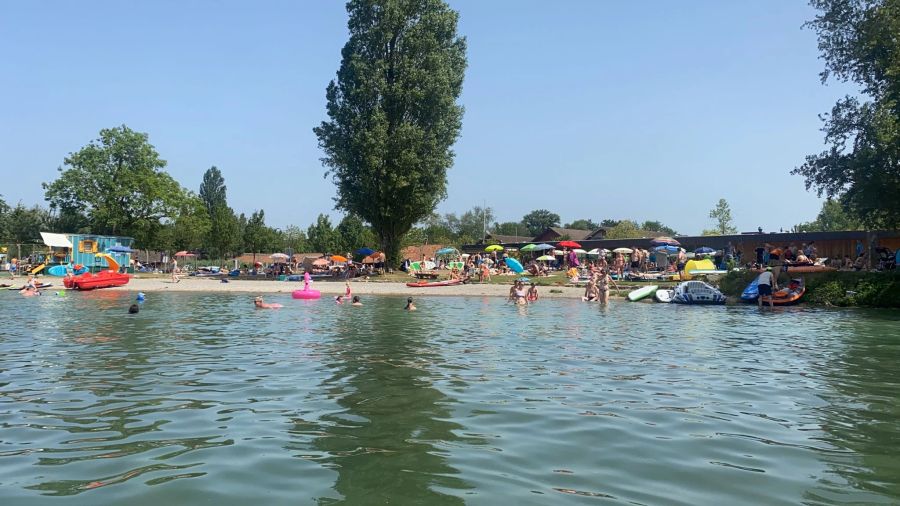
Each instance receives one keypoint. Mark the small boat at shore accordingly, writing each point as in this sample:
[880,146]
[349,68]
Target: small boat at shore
[697,293]
[103,279]
[426,284]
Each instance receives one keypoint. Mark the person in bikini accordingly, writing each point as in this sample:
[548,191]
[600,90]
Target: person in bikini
[532,294]
[603,286]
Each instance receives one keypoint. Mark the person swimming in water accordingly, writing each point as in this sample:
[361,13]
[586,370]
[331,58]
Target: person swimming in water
[133,309]
[260,304]
[409,305]
[338,299]
[356,301]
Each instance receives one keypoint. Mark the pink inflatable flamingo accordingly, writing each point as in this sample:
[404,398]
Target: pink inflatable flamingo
[307,292]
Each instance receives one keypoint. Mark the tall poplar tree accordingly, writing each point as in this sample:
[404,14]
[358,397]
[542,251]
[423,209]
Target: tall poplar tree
[394,114]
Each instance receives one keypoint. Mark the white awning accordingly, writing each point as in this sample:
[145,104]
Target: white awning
[56,240]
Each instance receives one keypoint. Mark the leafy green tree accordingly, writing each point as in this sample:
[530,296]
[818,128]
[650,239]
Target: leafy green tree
[4,218]
[434,229]
[513,228]
[24,224]
[190,227]
[295,239]
[393,114]
[657,226]
[257,236]
[540,219]
[321,236]
[861,166]
[353,234]
[117,181]
[722,215]
[624,229]
[471,225]
[832,218]
[608,223]
[224,235]
[583,224]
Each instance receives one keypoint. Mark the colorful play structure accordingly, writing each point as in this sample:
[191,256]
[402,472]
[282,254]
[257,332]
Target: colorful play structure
[79,254]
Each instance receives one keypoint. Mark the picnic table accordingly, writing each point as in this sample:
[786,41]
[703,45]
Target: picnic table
[427,275]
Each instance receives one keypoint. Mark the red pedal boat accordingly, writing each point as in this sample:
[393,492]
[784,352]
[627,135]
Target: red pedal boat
[103,279]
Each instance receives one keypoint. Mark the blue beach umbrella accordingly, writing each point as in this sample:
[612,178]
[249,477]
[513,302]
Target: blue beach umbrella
[446,251]
[514,265]
[524,279]
[365,251]
[704,250]
[667,249]
[119,249]
[542,247]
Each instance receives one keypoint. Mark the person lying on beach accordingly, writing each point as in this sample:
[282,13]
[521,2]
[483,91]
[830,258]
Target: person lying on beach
[409,305]
[260,304]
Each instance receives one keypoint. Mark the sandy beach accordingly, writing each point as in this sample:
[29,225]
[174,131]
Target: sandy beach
[360,287]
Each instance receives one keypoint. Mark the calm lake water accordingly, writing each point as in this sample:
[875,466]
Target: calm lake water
[201,399]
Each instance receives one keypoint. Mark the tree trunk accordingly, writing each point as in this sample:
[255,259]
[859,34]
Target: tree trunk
[391,247]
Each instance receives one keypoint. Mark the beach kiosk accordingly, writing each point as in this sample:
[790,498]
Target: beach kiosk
[70,250]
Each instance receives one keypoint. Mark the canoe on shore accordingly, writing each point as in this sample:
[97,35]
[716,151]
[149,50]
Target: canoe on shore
[426,284]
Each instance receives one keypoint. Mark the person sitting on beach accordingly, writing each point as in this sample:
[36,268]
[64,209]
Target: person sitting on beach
[802,260]
[591,291]
[260,304]
[409,305]
[532,295]
[356,301]
[860,262]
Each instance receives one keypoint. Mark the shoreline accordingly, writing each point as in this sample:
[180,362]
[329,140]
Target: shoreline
[361,288]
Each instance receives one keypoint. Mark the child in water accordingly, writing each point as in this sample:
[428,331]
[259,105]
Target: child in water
[356,301]
[409,305]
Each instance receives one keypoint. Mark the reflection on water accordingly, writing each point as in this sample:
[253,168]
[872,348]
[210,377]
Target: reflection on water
[200,398]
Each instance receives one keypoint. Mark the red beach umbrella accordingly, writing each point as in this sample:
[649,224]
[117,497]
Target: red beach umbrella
[569,244]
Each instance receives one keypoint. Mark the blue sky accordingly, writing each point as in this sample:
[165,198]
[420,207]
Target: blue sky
[644,110]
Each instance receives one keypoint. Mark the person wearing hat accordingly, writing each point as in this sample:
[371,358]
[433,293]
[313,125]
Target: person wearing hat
[765,283]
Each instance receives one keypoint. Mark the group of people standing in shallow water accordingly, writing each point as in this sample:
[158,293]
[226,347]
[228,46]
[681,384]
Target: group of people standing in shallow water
[519,295]
[597,289]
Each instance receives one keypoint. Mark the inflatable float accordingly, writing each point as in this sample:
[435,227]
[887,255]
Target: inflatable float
[665,296]
[697,293]
[61,270]
[640,293]
[307,293]
[424,284]
[783,297]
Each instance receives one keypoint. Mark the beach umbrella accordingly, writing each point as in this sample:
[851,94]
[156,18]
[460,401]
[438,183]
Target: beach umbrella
[278,257]
[667,248]
[494,247]
[338,258]
[524,279]
[568,244]
[184,254]
[626,251]
[546,258]
[119,249]
[542,247]
[580,252]
[365,251]
[558,252]
[704,250]
[465,255]
[656,241]
[514,265]
[446,251]
[594,252]
[530,247]
[320,262]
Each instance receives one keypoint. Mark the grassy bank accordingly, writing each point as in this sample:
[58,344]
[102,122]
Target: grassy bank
[836,288]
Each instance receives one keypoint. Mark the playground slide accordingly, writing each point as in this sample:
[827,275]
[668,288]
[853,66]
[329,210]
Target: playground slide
[37,269]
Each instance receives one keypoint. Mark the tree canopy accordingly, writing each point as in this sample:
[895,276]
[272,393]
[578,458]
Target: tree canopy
[861,165]
[118,183]
[832,218]
[393,113]
[583,224]
[539,220]
[722,216]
